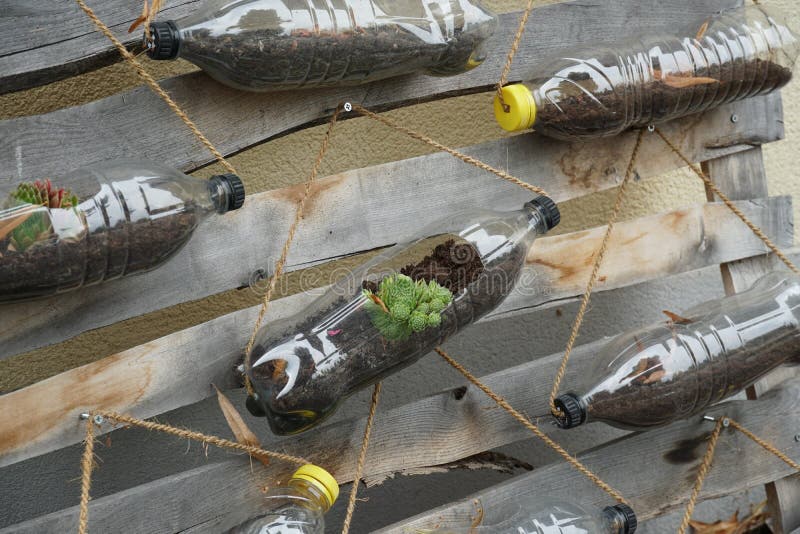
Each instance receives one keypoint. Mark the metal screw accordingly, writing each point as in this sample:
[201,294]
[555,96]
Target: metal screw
[84,416]
[734,118]
[98,420]
[348,106]
[651,128]
[726,422]
[708,418]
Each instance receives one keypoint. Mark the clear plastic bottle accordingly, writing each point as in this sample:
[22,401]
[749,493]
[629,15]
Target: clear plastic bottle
[100,223]
[550,516]
[297,508]
[672,370]
[599,91]
[464,267]
[261,45]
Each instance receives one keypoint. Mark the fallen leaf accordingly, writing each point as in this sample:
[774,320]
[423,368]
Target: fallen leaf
[142,18]
[702,31]
[675,318]
[733,525]
[239,428]
[680,82]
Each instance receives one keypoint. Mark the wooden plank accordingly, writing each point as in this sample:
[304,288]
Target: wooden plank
[645,467]
[116,125]
[743,176]
[176,370]
[371,207]
[44,43]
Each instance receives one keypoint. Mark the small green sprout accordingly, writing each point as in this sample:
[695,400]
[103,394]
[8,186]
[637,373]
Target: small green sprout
[402,306]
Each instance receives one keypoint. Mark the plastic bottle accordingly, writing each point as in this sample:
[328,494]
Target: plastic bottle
[464,267]
[672,370]
[297,508]
[601,91]
[550,516]
[260,45]
[101,222]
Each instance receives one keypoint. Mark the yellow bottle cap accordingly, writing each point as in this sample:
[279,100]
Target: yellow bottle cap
[321,479]
[522,108]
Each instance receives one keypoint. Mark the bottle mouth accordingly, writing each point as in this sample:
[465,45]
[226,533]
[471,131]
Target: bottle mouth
[232,192]
[624,516]
[165,40]
[548,209]
[572,411]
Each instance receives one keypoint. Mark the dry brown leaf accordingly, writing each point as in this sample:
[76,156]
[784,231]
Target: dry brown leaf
[702,31]
[679,82]
[675,318]
[723,526]
[8,225]
[240,430]
[142,17]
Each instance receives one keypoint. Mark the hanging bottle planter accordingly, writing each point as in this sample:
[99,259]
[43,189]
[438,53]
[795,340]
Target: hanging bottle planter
[550,516]
[670,371]
[100,223]
[390,312]
[261,45]
[297,508]
[738,54]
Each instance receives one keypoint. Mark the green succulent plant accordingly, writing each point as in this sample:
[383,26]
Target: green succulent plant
[402,306]
[37,226]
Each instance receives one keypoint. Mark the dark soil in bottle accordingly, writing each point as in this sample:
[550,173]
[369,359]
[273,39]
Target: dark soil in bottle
[649,402]
[366,356]
[59,265]
[603,113]
[269,59]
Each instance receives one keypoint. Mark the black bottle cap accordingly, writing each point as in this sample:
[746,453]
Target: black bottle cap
[572,412]
[254,407]
[628,516]
[235,188]
[166,40]
[549,210]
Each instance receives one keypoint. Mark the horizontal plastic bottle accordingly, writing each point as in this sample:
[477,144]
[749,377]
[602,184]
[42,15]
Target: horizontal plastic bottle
[101,222]
[261,45]
[672,370]
[297,508]
[603,91]
[549,516]
[390,312]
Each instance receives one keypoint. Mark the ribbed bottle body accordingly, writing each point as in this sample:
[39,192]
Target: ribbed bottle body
[673,370]
[736,55]
[113,220]
[260,45]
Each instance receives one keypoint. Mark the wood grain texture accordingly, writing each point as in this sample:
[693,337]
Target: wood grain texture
[42,42]
[646,467]
[743,176]
[178,369]
[138,123]
[372,207]
[456,423]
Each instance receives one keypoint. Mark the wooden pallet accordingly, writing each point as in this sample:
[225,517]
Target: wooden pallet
[363,209]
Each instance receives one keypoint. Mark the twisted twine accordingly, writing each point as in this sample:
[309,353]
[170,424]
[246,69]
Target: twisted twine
[523,21]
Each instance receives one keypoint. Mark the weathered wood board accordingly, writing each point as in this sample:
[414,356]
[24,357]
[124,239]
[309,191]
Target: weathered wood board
[178,369]
[654,470]
[123,124]
[742,176]
[368,208]
[455,424]
[43,42]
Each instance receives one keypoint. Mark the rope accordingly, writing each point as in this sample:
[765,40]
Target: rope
[533,428]
[511,53]
[708,458]
[200,437]
[722,196]
[87,464]
[281,263]
[362,455]
[766,445]
[598,260]
[150,81]
[438,146]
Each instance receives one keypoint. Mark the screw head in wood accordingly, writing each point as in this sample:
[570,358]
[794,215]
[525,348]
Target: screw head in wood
[348,106]
[651,128]
[734,118]
[797,437]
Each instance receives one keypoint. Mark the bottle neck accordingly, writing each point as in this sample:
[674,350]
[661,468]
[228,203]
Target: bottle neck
[535,217]
[614,521]
[316,497]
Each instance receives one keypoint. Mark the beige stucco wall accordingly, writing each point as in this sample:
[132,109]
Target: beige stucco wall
[357,143]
